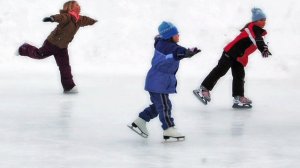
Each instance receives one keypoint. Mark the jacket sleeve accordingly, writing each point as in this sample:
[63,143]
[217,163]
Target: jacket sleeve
[179,53]
[259,33]
[61,18]
[85,21]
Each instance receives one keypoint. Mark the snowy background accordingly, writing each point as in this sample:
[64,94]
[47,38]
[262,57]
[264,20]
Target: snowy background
[41,127]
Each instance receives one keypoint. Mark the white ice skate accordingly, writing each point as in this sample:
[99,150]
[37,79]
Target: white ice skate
[173,133]
[241,102]
[17,53]
[202,94]
[139,127]
[74,90]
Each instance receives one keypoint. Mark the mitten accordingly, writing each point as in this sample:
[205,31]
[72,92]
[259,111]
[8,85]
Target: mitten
[191,52]
[48,19]
[265,53]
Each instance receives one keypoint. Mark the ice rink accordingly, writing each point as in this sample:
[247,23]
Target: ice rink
[42,128]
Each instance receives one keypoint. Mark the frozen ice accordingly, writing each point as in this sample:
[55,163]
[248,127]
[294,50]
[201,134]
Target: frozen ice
[42,127]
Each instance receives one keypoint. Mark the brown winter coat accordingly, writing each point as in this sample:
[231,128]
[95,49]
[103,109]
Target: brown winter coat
[64,33]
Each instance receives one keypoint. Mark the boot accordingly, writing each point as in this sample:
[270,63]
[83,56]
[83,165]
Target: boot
[202,94]
[241,102]
[139,126]
[74,90]
[205,93]
[171,132]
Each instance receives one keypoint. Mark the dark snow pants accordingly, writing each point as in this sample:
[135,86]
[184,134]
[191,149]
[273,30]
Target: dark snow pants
[161,106]
[61,57]
[224,64]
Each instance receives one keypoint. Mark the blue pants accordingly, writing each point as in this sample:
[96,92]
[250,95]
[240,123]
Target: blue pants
[161,106]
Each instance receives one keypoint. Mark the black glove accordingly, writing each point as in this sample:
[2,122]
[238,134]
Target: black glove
[265,53]
[191,52]
[48,19]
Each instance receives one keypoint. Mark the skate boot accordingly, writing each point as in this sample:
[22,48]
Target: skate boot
[74,90]
[202,94]
[241,102]
[139,126]
[173,133]
[17,52]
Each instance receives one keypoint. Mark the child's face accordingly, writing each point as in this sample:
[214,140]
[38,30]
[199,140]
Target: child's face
[175,38]
[261,23]
[76,7]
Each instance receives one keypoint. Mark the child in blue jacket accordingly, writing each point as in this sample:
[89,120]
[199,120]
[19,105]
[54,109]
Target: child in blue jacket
[161,81]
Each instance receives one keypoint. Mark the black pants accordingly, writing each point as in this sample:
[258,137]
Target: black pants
[238,74]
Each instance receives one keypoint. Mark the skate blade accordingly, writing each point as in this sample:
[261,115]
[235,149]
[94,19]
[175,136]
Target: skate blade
[170,139]
[138,131]
[244,106]
[204,101]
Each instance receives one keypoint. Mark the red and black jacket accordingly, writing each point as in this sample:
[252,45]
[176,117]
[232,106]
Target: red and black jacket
[250,38]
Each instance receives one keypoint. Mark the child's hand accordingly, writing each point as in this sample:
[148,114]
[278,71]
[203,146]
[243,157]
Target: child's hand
[195,50]
[266,52]
[191,52]
[48,19]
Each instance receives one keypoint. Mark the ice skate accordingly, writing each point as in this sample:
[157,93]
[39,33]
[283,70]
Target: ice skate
[241,102]
[139,127]
[17,52]
[202,94]
[74,90]
[173,133]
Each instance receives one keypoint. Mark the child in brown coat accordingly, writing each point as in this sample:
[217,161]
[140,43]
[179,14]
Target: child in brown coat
[69,21]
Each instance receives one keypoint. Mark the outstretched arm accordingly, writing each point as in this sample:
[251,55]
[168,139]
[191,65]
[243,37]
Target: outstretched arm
[60,18]
[182,52]
[85,21]
[260,43]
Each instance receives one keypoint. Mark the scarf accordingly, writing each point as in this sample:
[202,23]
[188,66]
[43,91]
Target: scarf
[76,15]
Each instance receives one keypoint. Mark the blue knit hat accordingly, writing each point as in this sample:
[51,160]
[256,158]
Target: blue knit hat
[167,30]
[257,14]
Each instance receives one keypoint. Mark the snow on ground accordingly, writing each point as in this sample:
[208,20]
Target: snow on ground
[125,31]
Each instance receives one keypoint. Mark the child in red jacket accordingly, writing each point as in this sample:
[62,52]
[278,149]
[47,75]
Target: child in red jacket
[69,21]
[235,56]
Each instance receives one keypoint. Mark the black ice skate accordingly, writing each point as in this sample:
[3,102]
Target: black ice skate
[74,90]
[139,127]
[241,102]
[202,94]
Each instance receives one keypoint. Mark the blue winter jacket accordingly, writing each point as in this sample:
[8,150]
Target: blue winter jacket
[165,63]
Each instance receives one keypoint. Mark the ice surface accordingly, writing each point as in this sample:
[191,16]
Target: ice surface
[41,127]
